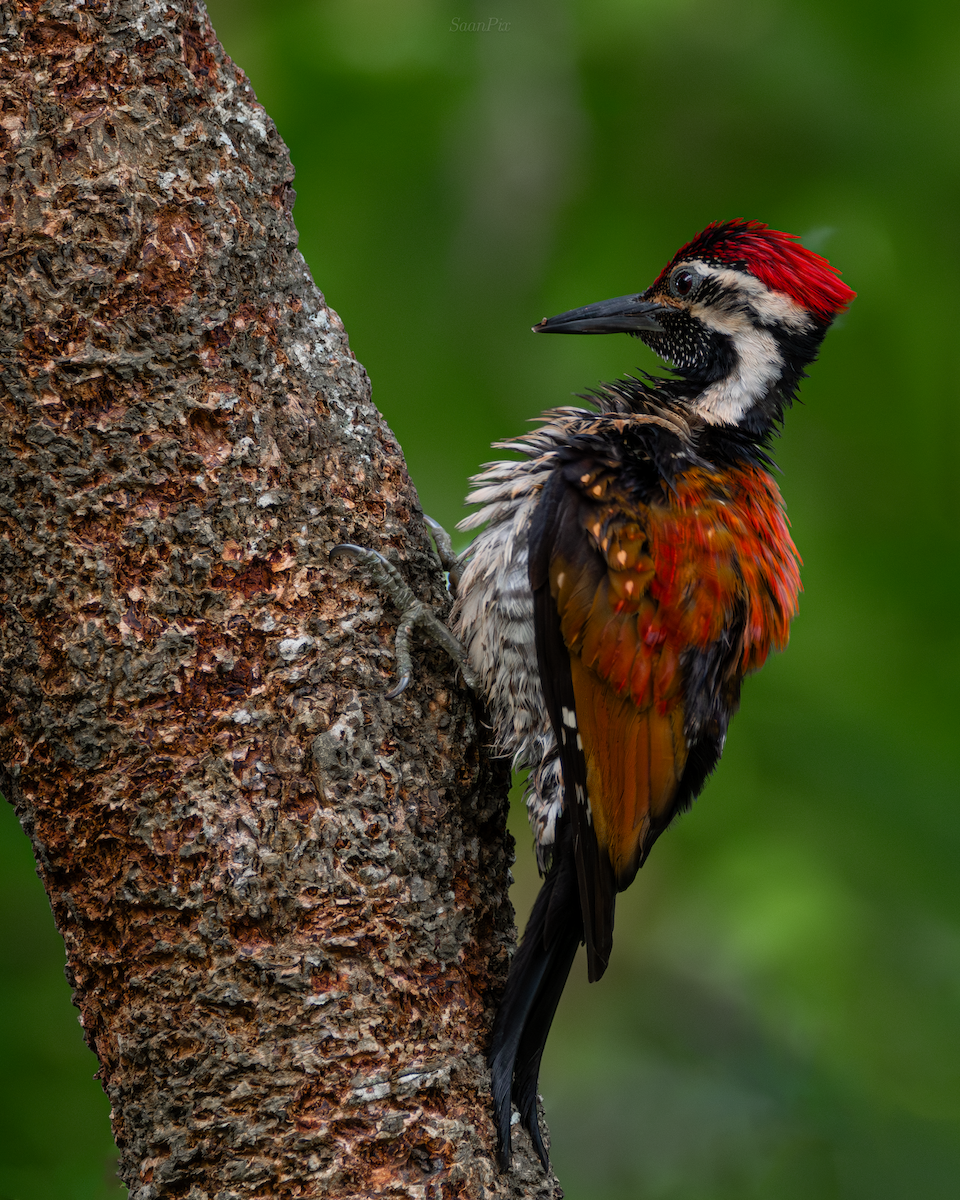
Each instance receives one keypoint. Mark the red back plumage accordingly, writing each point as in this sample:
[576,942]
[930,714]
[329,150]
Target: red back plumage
[776,259]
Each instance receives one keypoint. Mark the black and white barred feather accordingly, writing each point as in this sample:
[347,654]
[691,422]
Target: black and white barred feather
[493,611]
[493,614]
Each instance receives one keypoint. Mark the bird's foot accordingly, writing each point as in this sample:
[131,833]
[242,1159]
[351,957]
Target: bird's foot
[413,612]
[445,552]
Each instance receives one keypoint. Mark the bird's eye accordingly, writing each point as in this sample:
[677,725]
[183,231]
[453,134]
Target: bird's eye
[682,282]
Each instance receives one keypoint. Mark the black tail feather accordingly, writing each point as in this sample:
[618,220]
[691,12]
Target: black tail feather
[526,1071]
[537,977]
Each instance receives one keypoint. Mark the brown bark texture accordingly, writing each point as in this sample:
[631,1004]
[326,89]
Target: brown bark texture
[283,897]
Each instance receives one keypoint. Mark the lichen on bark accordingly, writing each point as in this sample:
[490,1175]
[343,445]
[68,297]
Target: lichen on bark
[283,898]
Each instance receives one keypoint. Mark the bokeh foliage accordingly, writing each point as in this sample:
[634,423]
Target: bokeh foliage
[780,1019]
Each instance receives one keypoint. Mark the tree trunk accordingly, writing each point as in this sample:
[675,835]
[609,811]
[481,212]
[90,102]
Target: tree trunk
[283,897]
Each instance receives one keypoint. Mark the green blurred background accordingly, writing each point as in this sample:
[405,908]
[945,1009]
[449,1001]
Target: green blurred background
[780,1019]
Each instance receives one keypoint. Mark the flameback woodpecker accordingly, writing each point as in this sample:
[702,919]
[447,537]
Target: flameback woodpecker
[634,564]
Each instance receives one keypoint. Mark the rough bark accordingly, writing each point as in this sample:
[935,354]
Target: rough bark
[283,898]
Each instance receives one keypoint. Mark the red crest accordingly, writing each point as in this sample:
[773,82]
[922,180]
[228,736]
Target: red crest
[777,259]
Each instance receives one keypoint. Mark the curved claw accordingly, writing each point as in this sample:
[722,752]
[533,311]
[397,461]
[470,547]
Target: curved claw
[400,687]
[350,550]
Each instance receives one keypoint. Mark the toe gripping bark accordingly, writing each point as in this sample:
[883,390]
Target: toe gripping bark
[413,612]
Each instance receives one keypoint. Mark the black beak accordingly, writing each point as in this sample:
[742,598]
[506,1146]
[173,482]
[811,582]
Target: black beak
[625,314]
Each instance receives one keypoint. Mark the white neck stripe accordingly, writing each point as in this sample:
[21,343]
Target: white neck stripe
[759,364]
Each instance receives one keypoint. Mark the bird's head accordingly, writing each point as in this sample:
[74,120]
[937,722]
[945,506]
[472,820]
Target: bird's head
[738,312]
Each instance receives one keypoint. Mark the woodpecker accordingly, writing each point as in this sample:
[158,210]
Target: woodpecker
[634,564]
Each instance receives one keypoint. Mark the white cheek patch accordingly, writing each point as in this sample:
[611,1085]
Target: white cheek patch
[772,308]
[759,362]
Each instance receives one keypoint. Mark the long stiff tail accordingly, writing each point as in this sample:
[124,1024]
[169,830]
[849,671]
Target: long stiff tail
[537,977]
